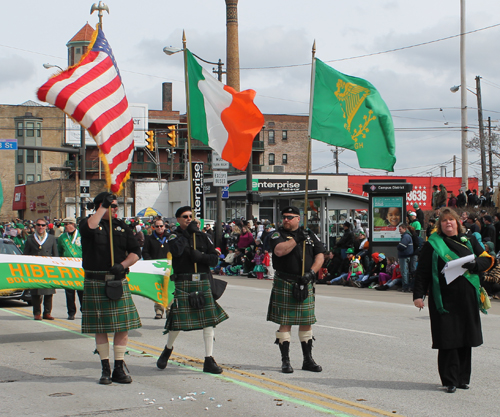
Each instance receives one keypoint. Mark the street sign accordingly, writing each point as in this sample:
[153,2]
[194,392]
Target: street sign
[8,144]
[84,188]
[218,162]
[225,192]
[220,178]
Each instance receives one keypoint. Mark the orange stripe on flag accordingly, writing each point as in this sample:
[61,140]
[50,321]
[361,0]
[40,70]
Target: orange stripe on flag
[243,121]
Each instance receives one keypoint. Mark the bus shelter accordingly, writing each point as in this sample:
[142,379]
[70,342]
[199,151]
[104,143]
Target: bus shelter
[327,211]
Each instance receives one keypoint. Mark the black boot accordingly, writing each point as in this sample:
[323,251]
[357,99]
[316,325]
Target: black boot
[286,367]
[211,366]
[163,359]
[119,374]
[309,364]
[106,373]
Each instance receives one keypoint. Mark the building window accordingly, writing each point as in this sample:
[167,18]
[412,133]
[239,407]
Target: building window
[30,178]
[38,130]
[284,135]
[19,178]
[271,159]
[271,137]
[284,159]
[140,156]
[20,156]
[77,50]
[38,177]
[39,156]
[30,129]
[30,156]
[20,129]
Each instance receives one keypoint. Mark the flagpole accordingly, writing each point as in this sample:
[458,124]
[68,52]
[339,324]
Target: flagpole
[100,8]
[188,117]
[308,163]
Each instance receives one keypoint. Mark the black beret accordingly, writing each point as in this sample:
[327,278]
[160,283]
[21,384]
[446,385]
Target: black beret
[181,210]
[290,210]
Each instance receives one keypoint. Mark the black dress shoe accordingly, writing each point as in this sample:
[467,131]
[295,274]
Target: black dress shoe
[463,386]
[451,389]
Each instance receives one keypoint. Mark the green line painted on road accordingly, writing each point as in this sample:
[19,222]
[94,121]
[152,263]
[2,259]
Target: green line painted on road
[193,368]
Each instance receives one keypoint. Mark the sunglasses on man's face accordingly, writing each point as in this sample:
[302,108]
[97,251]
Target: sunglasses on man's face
[114,205]
[41,225]
[289,217]
[185,216]
[159,225]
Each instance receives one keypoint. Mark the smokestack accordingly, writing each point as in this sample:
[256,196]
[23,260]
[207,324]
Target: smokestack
[167,97]
[232,51]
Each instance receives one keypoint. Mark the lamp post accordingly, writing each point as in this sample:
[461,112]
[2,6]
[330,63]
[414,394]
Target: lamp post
[482,147]
[169,50]
[463,99]
[83,173]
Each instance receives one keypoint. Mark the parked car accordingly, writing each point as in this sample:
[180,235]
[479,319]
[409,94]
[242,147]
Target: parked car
[8,247]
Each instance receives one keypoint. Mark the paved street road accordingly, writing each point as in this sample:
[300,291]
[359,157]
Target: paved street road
[374,348]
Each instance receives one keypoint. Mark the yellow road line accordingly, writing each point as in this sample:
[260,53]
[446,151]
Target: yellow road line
[267,384]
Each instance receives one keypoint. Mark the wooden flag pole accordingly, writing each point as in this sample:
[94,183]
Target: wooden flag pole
[188,116]
[308,163]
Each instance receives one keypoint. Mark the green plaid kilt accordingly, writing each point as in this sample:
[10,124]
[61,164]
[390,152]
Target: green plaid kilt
[182,317]
[286,310]
[102,315]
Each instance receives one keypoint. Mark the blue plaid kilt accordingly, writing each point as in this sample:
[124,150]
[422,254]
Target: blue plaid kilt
[286,310]
[182,317]
[102,315]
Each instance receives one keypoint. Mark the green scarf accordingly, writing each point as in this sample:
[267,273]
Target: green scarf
[66,248]
[446,254]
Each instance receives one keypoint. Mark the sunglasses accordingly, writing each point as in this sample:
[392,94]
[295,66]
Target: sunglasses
[289,217]
[114,205]
[159,225]
[185,216]
[41,225]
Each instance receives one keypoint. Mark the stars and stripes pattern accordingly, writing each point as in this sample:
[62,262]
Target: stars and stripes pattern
[92,93]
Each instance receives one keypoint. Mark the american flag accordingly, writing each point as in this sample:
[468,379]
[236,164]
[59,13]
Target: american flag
[92,93]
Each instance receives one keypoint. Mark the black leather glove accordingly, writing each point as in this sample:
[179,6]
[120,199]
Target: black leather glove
[301,235]
[193,227]
[117,269]
[108,200]
[308,276]
[197,256]
[471,266]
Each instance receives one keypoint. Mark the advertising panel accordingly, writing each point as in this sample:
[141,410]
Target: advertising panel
[388,214]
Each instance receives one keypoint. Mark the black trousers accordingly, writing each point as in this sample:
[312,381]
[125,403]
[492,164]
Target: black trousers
[36,300]
[71,301]
[455,366]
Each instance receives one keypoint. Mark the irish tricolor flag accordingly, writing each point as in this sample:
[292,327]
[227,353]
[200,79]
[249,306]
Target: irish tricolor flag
[222,118]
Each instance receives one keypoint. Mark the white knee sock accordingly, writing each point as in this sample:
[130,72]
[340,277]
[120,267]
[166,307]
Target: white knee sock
[119,352]
[284,336]
[171,338]
[208,337]
[305,336]
[103,350]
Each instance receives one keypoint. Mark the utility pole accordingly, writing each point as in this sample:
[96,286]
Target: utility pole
[454,165]
[490,152]
[481,133]
[337,159]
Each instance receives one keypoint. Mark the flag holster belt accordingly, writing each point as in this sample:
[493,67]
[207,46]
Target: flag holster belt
[287,277]
[188,277]
[103,276]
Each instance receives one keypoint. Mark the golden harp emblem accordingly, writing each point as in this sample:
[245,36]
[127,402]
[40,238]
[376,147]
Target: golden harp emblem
[351,97]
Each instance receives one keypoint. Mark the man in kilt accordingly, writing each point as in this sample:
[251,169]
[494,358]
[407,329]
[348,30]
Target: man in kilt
[194,307]
[107,303]
[292,296]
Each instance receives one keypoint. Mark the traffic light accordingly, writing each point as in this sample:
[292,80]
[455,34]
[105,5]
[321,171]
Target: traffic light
[150,140]
[173,136]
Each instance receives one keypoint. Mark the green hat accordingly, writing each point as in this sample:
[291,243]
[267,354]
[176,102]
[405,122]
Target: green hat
[350,250]
[20,226]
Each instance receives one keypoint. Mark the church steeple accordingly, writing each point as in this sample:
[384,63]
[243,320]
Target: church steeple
[77,45]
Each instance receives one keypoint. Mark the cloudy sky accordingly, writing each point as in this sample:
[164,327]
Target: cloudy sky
[351,36]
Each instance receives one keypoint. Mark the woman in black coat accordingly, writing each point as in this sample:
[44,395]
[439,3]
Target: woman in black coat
[453,307]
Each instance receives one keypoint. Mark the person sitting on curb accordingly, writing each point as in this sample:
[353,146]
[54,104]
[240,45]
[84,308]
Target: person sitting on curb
[344,269]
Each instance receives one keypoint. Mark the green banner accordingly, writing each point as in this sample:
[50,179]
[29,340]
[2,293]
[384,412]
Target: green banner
[146,278]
